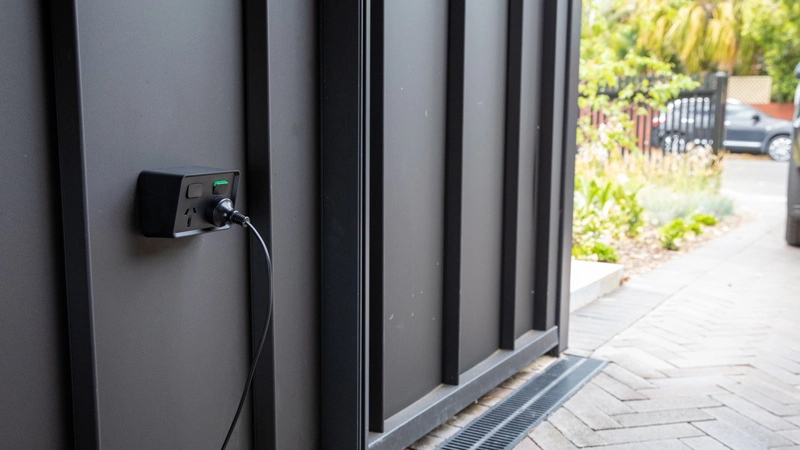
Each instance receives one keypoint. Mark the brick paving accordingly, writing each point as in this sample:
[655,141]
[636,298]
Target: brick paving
[704,351]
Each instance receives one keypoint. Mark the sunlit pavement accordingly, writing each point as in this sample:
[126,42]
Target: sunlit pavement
[704,350]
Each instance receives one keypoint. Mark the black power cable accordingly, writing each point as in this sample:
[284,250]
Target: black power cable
[222,211]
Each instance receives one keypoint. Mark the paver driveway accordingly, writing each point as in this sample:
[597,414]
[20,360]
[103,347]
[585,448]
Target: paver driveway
[704,351]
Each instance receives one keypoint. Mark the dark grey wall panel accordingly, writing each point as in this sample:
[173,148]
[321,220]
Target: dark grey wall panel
[529,122]
[414,124]
[162,87]
[484,139]
[34,409]
[555,34]
[295,218]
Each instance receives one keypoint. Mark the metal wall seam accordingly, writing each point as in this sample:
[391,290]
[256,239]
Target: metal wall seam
[376,229]
[454,137]
[77,263]
[508,283]
[343,342]
[549,160]
[259,195]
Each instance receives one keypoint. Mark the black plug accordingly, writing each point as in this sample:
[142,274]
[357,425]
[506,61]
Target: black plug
[220,211]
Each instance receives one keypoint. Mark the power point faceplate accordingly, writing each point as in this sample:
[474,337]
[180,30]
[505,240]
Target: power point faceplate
[173,202]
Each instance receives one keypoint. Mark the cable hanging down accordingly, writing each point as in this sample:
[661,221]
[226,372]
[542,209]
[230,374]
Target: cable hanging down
[222,211]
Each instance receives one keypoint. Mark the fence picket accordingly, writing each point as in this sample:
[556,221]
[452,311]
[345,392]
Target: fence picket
[692,118]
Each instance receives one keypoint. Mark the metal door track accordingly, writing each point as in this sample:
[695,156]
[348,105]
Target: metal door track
[508,422]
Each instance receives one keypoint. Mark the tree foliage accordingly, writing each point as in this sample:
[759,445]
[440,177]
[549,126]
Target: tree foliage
[602,66]
[774,26]
[740,37]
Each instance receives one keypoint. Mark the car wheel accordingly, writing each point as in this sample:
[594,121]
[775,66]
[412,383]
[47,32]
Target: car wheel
[793,231]
[780,148]
[674,143]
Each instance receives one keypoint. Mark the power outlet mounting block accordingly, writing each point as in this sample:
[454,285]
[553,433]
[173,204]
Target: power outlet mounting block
[173,202]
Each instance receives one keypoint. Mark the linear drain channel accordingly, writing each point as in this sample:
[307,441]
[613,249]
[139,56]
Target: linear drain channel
[506,424]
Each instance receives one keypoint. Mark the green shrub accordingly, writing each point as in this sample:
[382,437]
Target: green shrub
[680,194]
[605,210]
[704,219]
[671,235]
[631,209]
[593,250]
[607,207]
[695,227]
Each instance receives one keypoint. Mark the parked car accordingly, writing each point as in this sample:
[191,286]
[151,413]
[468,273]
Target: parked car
[793,197]
[747,130]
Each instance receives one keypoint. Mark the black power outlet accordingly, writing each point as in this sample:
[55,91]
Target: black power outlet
[174,202]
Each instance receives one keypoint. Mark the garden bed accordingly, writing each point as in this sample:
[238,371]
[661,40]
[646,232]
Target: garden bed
[645,252]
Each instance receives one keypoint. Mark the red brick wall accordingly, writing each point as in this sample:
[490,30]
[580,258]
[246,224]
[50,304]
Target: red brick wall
[777,110]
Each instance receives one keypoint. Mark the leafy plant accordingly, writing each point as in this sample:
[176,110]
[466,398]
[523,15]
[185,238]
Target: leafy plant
[616,198]
[671,235]
[632,210]
[704,219]
[593,250]
[695,227]
[604,210]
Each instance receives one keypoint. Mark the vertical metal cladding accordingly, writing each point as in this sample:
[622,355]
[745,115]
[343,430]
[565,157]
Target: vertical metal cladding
[397,179]
[35,410]
[413,172]
[484,152]
[528,147]
[161,85]
[295,202]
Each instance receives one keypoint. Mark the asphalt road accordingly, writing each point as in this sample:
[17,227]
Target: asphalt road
[757,185]
[755,177]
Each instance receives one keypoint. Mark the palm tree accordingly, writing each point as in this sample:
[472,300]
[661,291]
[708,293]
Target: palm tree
[686,35]
[721,44]
[700,35]
[653,21]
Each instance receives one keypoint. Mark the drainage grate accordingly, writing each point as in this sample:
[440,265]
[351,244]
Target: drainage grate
[505,424]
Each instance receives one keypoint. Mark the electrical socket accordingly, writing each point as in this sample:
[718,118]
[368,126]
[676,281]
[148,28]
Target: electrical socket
[173,202]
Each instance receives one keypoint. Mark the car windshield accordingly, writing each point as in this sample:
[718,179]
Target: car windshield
[733,110]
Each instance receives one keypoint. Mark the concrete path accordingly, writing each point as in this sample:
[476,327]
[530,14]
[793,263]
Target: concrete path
[704,351]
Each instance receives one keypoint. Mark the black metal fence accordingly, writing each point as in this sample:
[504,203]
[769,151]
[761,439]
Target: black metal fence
[690,119]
